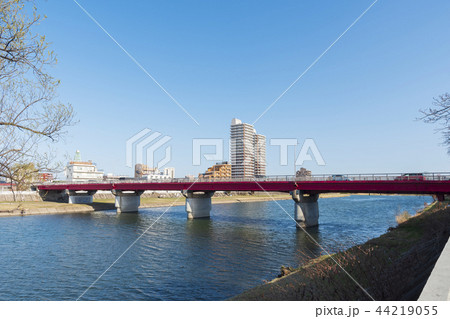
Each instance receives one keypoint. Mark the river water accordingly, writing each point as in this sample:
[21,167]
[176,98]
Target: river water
[57,257]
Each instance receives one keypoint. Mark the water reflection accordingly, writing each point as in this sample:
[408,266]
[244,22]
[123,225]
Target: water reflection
[305,248]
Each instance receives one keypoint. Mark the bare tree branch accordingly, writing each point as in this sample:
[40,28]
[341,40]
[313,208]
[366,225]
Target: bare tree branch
[440,113]
[30,118]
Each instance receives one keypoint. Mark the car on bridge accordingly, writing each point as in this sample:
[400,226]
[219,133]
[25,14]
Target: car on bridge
[410,177]
[339,178]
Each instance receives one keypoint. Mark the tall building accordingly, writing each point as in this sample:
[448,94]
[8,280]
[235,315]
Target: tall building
[247,151]
[260,155]
[218,171]
[79,171]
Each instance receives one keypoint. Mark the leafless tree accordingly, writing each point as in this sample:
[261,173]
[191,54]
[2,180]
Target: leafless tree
[440,113]
[30,118]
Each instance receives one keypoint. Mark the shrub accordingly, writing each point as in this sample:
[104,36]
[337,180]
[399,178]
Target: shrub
[402,217]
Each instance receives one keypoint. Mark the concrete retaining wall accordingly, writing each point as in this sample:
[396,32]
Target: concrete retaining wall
[437,287]
[20,196]
[48,210]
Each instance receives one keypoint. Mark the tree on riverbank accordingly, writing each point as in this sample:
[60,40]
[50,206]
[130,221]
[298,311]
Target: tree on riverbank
[30,118]
[440,113]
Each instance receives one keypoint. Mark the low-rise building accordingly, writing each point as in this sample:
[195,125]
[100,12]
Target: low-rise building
[110,177]
[169,171]
[6,186]
[81,171]
[46,177]
[218,171]
[141,170]
[144,171]
[303,173]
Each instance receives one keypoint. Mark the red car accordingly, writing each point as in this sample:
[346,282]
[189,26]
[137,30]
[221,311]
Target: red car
[410,177]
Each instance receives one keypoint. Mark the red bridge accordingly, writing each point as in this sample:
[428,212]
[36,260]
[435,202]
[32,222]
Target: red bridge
[304,190]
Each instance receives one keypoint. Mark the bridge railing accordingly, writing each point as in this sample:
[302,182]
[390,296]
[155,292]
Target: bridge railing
[439,176]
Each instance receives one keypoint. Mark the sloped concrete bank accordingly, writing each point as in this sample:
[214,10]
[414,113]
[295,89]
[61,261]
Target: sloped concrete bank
[45,208]
[437,287]
[394,266]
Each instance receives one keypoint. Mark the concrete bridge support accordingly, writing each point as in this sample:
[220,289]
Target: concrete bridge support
[198,204]
[127,201]
[306,209]
[81,197]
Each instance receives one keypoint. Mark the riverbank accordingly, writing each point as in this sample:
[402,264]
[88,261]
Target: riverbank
[43,208]
[46,208]
[394,266]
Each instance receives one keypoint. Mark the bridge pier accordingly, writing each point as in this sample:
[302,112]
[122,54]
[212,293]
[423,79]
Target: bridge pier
[306,209]
[127,201]
[81,197]
[198,204]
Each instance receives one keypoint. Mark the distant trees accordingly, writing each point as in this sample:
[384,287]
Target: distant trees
[440,113]
[29,115]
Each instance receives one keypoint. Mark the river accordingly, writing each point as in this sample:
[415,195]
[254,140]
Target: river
[57,257]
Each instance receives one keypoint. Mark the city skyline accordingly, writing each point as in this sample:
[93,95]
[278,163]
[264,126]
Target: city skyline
[359,103]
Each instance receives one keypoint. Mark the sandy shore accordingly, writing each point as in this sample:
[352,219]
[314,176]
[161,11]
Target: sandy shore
[45,208]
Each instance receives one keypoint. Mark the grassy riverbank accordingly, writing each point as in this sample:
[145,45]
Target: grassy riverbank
[394,266]
[39,208]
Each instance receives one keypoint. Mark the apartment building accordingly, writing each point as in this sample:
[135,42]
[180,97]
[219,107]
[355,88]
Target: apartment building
[247,151]
[218,171]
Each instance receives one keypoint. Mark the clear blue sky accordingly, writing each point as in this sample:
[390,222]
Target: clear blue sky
[233,58]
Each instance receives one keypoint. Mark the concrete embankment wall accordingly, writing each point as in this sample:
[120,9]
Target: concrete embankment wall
[27,196]
[437,287]
[48,210]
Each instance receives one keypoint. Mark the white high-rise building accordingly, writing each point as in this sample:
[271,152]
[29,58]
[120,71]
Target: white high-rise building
[247,151]
[260,155]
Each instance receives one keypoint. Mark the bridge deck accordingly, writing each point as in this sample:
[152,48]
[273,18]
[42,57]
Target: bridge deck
[353,186]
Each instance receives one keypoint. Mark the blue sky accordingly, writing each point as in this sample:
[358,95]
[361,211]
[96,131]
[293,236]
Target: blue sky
[233,58]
